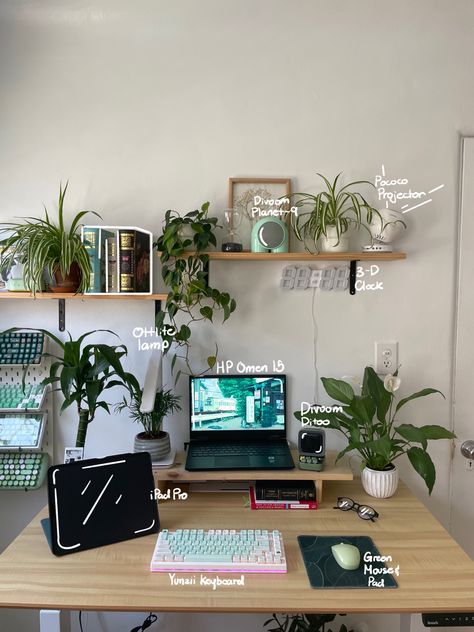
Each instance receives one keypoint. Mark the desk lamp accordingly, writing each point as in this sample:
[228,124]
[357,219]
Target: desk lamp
[385,230]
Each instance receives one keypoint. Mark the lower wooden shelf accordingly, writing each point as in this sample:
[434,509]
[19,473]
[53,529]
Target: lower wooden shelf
[332,472]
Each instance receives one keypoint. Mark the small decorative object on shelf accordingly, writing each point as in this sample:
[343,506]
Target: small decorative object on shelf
[332,213]
[368,422]
[232,221]
[270,235]
[259,198]
[385,228]
[42,245]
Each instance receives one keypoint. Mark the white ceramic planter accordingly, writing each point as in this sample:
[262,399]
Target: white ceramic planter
[330,242]
[158,448]
[380,484]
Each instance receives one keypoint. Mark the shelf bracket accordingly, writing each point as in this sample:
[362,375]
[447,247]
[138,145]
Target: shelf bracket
[352,276]
[62,314]
[157,308]
[205,269]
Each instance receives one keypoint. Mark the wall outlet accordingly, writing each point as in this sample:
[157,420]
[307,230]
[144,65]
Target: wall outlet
[386,357]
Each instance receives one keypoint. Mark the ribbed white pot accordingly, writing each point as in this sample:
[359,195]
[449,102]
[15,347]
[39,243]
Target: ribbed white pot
[329,243]
[159,449]
[380,483]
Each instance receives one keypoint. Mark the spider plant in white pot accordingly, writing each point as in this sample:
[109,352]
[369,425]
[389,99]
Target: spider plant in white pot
[330,216]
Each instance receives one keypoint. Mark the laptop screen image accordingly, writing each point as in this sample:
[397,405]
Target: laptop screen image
[243,403]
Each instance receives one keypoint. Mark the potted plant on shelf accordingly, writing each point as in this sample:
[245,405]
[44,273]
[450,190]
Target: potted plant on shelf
[331,214]
[83,372]
[368,422]
[153,439]
[302,623]
[42,244]
[184,273]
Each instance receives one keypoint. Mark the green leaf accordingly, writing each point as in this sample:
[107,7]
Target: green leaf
[207,312]
[421,461]
[338,390]
[184,332]
[381,447]
[422,393]
[373,386]
[362,408]
[437,432]
[211,361]
[412,433]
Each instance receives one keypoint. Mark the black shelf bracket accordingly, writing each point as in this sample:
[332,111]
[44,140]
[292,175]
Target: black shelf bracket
[62,314]
[352,276]
[205,269]
[157,308]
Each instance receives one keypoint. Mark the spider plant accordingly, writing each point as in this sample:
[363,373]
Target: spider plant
[41,244]
[338,207]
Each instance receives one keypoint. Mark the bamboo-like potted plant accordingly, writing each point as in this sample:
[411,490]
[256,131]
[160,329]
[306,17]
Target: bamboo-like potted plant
[184,273]
[330,215]
[43,244]
[83,372]
[368,421]
[153,438]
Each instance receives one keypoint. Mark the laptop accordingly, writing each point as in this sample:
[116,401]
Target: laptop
[238,422]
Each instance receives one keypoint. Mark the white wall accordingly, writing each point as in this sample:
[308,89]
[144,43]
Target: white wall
[146,106]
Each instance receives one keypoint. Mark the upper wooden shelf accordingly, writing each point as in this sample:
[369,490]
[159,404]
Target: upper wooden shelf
[304,256]
[81,297]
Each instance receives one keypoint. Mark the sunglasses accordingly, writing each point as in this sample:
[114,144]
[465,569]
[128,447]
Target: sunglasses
[363,511]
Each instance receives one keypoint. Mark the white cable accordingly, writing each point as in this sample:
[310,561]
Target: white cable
[315,347]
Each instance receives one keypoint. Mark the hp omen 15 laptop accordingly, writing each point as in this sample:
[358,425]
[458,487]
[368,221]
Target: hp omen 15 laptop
[238,422]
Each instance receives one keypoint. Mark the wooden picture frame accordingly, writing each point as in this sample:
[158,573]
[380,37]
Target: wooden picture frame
[244,191]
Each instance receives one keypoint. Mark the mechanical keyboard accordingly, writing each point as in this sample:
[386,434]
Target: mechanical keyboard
[13,397]
[21,348]
[219,550]
[22,470]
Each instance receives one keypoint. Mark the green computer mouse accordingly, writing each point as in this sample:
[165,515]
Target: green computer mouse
[347,556]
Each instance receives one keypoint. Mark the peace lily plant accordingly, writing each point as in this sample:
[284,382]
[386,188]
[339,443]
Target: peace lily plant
[369,422]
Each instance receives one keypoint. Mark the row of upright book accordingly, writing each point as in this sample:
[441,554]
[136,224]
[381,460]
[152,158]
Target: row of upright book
[120,257]
[283,495]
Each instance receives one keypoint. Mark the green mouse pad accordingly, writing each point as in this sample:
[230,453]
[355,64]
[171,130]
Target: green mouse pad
[324,572]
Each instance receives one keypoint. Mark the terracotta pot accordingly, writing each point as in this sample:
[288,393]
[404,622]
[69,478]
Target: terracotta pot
[380,483]
[158,448]
[70,284]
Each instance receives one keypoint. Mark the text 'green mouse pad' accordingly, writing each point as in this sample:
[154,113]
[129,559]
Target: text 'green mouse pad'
[324,572]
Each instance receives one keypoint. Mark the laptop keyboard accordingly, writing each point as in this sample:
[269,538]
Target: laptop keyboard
[256,449]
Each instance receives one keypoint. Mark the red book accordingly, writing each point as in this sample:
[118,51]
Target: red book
[280,504]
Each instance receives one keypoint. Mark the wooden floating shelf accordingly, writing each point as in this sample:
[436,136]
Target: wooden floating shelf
[332,472]
[84,297]
[303,256]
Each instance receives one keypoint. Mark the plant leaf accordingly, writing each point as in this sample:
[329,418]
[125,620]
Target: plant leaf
[422,393]
[338,390]
[421,461]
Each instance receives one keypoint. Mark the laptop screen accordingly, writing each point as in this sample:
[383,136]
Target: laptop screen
[238,403]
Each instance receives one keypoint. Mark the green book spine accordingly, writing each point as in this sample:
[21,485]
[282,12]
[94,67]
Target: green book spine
[90,238]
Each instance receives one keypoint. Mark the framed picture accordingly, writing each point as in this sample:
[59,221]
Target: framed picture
[254,198]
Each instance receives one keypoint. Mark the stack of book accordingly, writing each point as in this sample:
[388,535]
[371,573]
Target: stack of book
[283,495]
[120,259]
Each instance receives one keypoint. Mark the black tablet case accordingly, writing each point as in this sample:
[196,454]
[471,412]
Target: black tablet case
[101,501]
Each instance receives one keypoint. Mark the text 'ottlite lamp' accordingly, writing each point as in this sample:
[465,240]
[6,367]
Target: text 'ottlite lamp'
[385,230]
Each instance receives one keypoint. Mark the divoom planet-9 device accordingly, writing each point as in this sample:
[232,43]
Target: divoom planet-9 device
[270,235]
[311,449]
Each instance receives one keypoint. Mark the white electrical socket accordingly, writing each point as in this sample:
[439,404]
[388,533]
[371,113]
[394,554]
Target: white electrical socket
[386,357]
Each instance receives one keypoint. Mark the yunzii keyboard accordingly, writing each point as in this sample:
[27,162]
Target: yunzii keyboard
[21,348]
[22,470]
[223,550]
[13,396]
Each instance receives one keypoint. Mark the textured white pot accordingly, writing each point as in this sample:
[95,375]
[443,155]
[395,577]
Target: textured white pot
[329,242]
[380,483]
[158,448]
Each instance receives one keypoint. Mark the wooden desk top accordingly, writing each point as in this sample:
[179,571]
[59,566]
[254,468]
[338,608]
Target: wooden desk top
[435,574]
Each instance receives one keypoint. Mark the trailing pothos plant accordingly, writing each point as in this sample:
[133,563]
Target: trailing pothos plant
[190,297]
[368,421]
[83,372]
